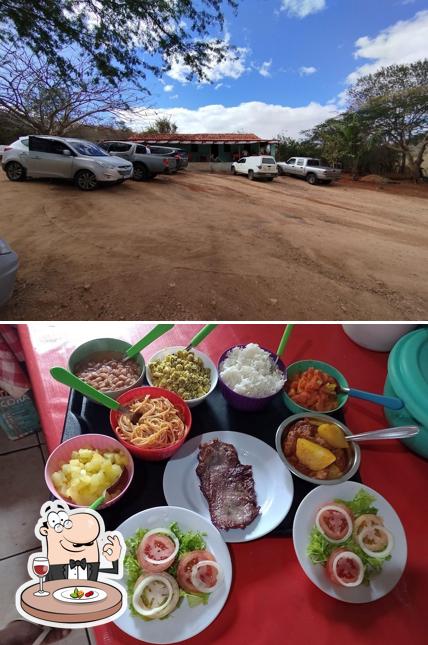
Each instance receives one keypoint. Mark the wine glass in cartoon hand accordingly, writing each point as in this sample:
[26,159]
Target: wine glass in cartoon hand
[41,568]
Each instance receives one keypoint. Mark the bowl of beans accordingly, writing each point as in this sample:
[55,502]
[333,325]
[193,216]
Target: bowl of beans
[192,375]
[101,363]
[312,386]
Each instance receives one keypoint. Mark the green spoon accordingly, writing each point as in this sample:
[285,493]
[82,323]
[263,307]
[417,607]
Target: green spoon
[155,333]
[67,378]
[203,333]
[284,340]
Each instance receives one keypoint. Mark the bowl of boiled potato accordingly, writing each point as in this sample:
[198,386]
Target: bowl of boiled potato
[79,470]
[314,447]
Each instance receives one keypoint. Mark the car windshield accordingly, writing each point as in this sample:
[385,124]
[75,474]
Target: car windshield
[88,149]
[269,160]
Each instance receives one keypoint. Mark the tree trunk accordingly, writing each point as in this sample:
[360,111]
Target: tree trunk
[415,159]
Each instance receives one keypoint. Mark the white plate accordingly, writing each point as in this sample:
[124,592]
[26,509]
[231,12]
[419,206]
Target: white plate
[392,570]
[185,621]
[64,594]
[272,479]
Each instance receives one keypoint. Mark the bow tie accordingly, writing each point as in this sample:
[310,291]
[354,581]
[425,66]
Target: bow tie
[78,563]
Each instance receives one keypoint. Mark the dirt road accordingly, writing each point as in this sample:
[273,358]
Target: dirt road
[200,246]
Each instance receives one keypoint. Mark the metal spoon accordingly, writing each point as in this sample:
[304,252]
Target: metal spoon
[391,402]
[155,333]
[202,333]
[403,432]
[74,382]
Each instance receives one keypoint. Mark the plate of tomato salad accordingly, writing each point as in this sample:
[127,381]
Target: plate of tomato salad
[178,574]
[350,542]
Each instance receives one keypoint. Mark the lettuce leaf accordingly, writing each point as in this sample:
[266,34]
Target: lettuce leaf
[189,541]
[362,503]
[319,548]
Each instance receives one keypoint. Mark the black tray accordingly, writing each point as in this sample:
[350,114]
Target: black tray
[146,489]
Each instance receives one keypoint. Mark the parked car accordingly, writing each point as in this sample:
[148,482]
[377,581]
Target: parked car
[256,167]
[48,156]
[313,170]
[146,164]
[181,155]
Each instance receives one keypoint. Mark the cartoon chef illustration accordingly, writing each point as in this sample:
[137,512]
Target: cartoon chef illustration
[72,546]
[70,569]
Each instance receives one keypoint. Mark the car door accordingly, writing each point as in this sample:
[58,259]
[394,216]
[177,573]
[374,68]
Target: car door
[121,149]
[300,167]
[242,166]
[49,158]
[290,166]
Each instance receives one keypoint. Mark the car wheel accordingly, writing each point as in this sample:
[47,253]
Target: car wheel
[280,171]
[311,179]
[251,175]
[15,171]
[141,172]
[85,180]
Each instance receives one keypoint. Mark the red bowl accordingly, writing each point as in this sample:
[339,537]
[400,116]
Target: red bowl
[152,454]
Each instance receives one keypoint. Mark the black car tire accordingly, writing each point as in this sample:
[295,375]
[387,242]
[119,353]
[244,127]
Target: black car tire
[85,180]
[280,171]
[251,175]
[141,172]
[311,179]
[15,171]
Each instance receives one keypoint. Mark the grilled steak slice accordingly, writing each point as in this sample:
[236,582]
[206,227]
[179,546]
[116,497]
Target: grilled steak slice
[227,485]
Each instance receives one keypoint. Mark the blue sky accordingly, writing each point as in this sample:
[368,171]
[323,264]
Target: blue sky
[296,58]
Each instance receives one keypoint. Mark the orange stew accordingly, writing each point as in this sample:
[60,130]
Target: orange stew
[313,389]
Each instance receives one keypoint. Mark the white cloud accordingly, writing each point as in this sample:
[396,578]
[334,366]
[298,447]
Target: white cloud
[264,69]
[264,119]
[404,42]
[218,86]
[302,8]
[307,71]
[168,88]
[232,66]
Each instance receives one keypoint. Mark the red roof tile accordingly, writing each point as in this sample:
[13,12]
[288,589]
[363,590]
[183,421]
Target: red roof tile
[198,138]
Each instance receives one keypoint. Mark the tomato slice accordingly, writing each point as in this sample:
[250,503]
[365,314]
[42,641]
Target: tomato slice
[207,574]
[335,522]
[348,570]
[156,547]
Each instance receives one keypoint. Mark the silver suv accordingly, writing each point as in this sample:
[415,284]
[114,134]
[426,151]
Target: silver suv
[48,156]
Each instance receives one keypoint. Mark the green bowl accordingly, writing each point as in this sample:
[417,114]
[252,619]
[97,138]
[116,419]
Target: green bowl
[301,366]
[85,351]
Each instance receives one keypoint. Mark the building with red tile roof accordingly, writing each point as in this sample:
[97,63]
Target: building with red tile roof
[210,146]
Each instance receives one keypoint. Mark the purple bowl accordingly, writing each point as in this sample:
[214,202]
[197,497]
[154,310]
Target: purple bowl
[240,401]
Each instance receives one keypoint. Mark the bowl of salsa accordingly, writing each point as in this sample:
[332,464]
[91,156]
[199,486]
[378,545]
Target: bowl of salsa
[313,386]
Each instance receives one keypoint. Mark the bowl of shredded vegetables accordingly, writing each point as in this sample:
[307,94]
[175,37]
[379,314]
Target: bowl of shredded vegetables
[314,386]
[157,424]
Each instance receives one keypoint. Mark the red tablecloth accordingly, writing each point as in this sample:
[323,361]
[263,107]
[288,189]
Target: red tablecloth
[272,601]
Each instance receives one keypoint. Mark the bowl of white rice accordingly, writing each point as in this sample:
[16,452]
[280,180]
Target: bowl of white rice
[248,377]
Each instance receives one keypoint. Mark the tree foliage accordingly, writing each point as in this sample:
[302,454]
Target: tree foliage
[124,39]
[36,96]
[162,125]
[394,103]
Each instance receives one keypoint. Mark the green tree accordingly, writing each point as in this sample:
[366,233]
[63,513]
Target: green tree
[394,100]
[290,147]
[162,125]
[123,38]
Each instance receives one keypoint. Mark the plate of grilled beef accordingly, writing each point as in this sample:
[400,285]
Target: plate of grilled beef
[236,481]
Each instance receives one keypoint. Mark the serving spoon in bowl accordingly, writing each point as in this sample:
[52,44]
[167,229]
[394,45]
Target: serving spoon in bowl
[402,432]
[149,338]
[391,402]
[75,383]
[199,337]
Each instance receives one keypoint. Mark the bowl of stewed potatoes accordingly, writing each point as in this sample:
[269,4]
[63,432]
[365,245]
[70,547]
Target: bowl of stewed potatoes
[101,363]
[80,469]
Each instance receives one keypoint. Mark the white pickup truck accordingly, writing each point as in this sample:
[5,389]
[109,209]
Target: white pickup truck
[313,170]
